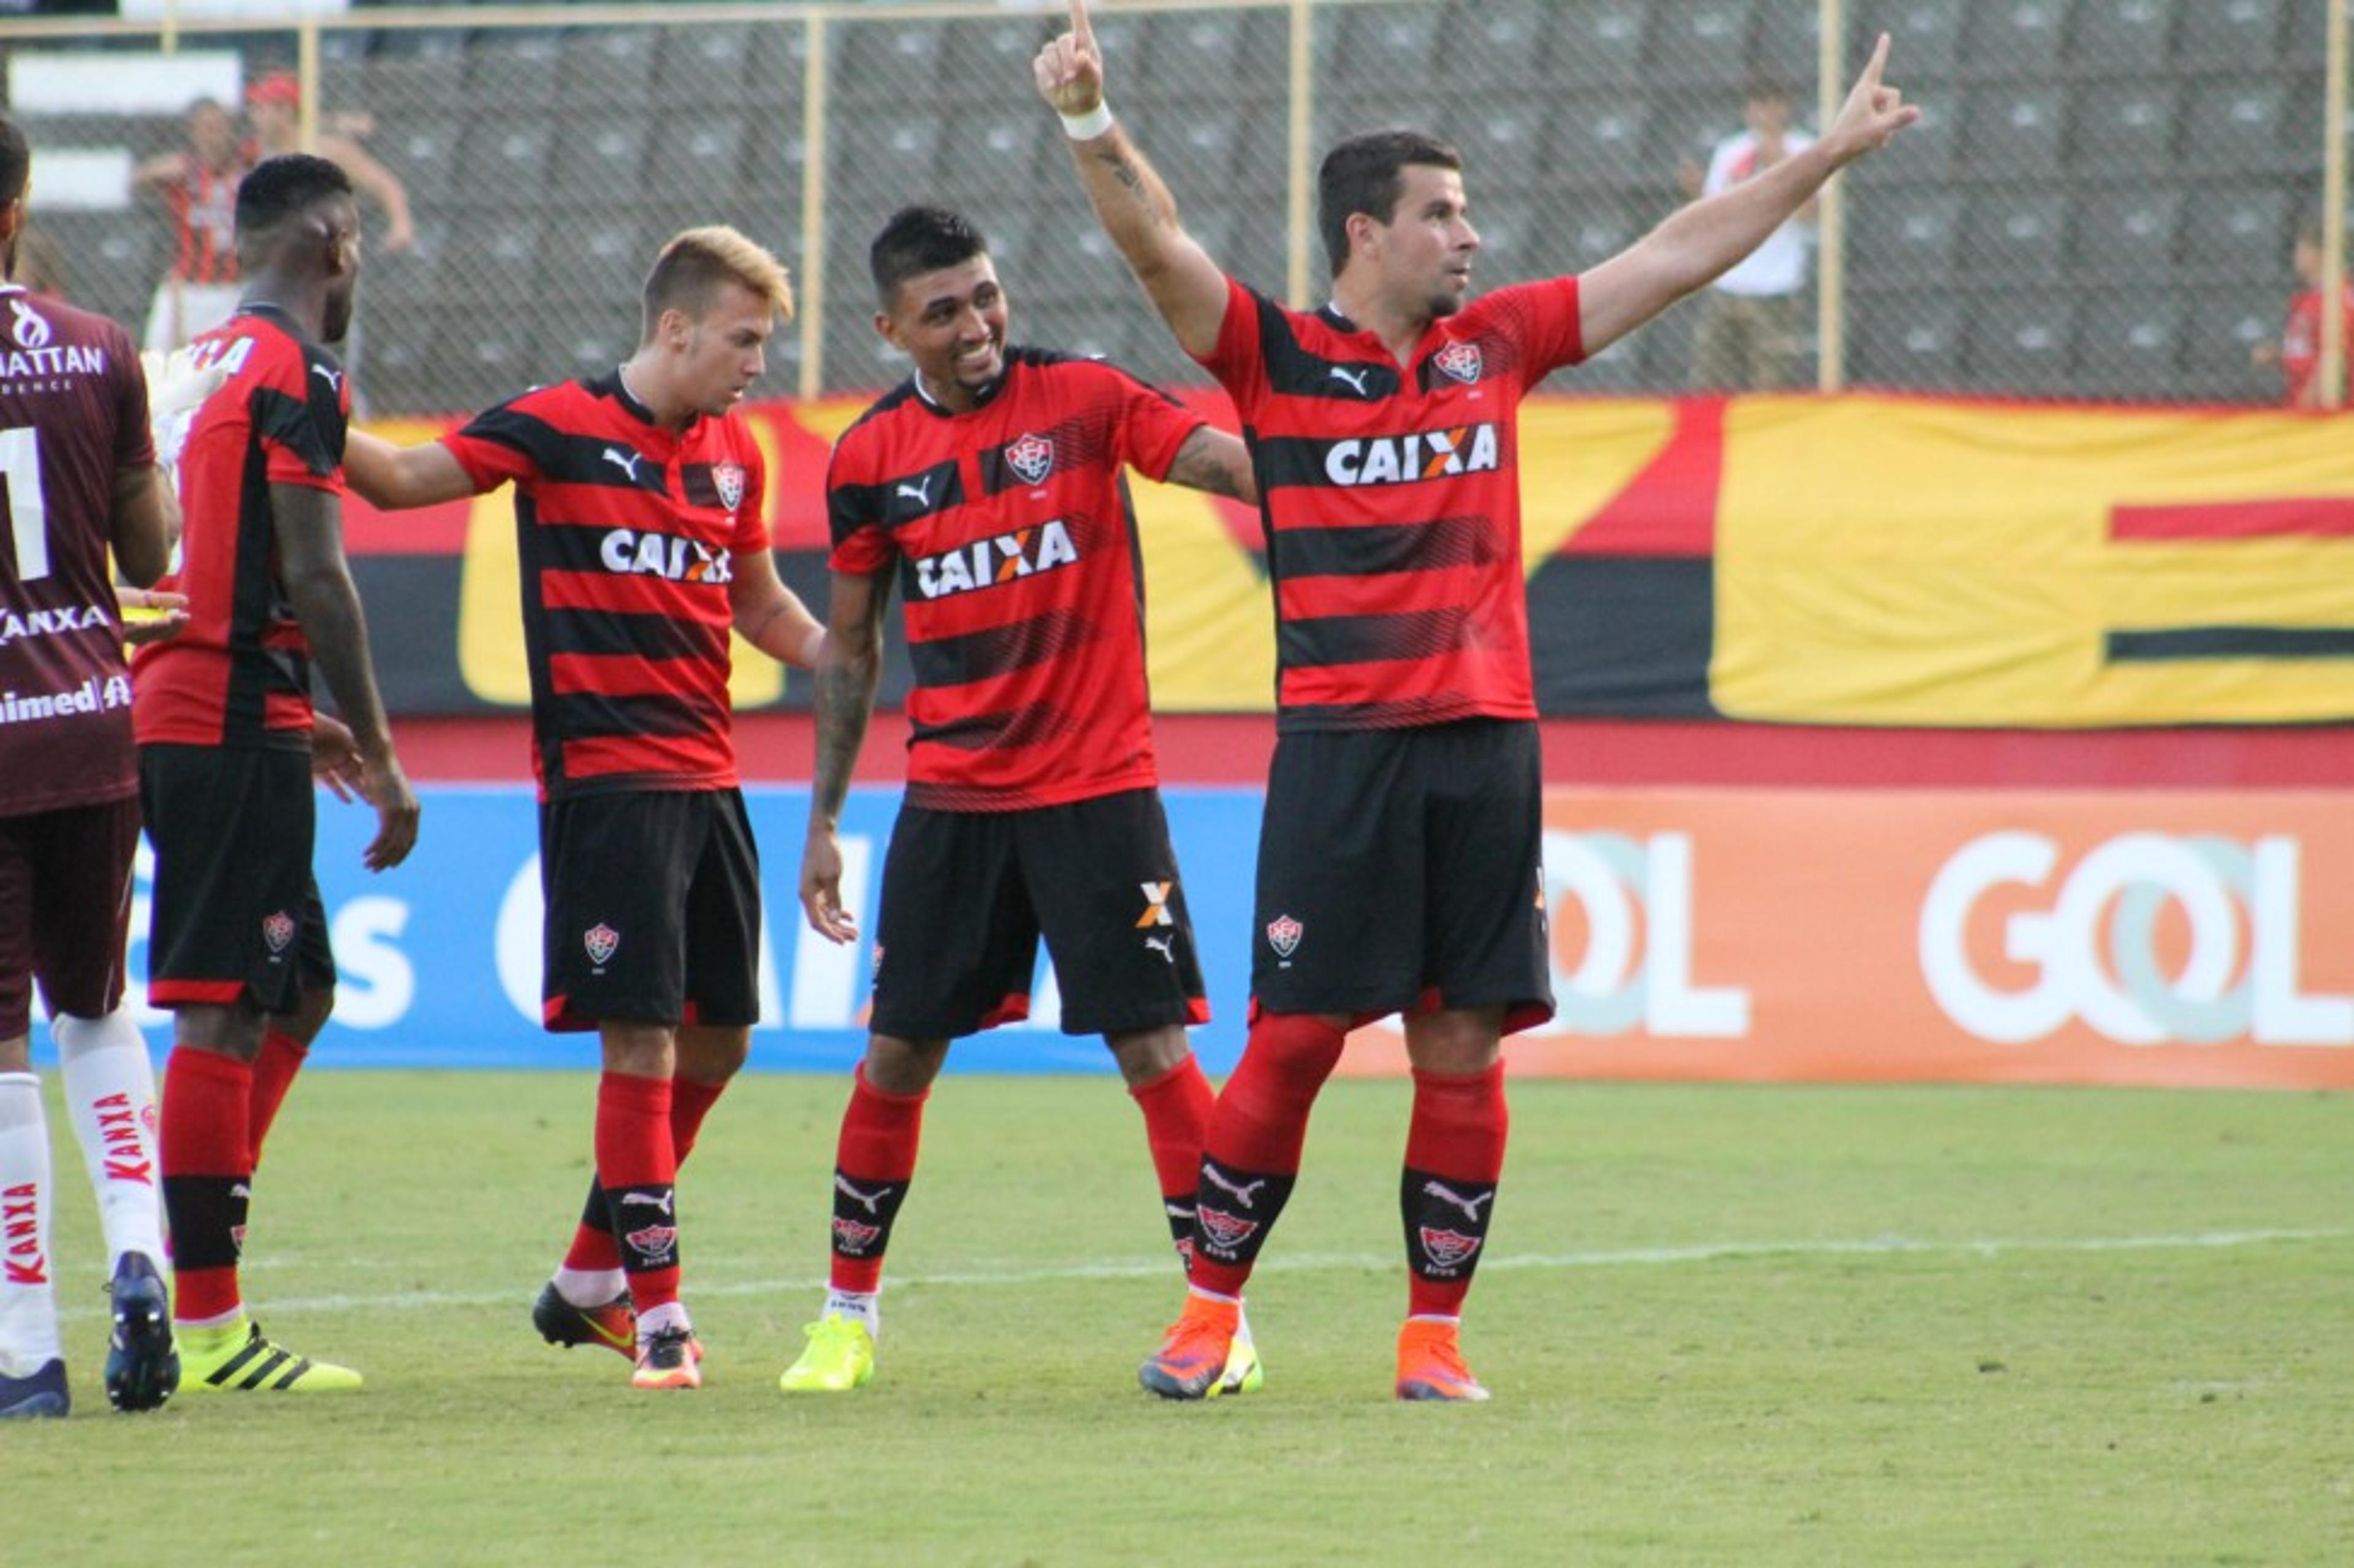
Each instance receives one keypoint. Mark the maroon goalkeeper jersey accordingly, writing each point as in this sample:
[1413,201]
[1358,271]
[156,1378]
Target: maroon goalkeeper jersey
[73,414]
[627,532]
[1014,542]
[1391,500]
[240,674]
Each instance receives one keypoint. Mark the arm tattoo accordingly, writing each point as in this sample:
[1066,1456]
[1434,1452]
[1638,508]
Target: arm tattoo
[845,700]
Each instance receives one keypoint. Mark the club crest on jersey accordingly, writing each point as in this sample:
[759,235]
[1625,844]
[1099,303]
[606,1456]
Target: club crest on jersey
[1447,1249]
[1283,933]
[999,558]
[1425,454]
[728,479]
[30,328]
[603,942]
[278,930]
[1459,360]
[1032,457]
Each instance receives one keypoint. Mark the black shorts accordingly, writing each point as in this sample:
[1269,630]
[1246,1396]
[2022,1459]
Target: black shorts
[65,910]
[653,909]
[966,894]
[237,912]
[1402,870]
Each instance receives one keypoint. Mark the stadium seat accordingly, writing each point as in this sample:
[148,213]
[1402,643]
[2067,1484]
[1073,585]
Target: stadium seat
[2013,238]
[2123,35]
[1505,147]
[711,66]
[2128,345]
[514,71]
[1908,338]
[1903,235]
[1925,39]
[488,257]
[880,61]
[2019,38]
[2012,130]
[2123,127]
[1361,44]
[2238,233]
[1703,41]
[1214,57]
[2223,325]
[2020,341]
[1596,227]
[994,159]
[1347,112]
[1925,153]
[2126,232]
[1598,43]
[605,161]
[1787,48]
[979,58]
[2238,35]
[2237,124]
[1497,43]
[506,157]
[610,66]
[1598,144]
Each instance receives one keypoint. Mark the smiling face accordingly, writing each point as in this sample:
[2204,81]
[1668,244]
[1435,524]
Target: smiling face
[952,323]
[1422,256]
[709,361]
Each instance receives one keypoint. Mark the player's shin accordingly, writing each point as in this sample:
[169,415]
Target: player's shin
[1447,1195]
[207,1184]
[110,1088]
[29,1314]
[1176,1107]
[274,1070]
[1250,1158]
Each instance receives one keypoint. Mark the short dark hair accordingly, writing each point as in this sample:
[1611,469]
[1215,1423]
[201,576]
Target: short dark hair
[1767,89]
[16,160]
[916,240]
[277,189]
[1367,173]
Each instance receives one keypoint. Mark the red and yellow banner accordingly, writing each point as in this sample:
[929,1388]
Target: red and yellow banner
[2177,938]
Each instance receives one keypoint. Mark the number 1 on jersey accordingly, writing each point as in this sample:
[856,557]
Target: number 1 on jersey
[28,513]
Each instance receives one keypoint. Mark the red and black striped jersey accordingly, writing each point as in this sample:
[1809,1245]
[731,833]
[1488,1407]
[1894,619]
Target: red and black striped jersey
[73,417]
[203,203]
[627,534]
[240,674]
[1012,534]
[1391,500]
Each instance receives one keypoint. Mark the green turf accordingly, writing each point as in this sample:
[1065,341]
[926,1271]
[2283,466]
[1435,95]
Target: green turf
[1724,1325]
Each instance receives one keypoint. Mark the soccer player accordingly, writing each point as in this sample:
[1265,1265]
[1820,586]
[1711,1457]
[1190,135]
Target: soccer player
[989,485]
[639,517]
[1399,857]
[78,475]
[239,950]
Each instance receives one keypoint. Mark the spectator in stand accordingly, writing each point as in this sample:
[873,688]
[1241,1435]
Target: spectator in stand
[199,186]
[1752,330]
[2298,351]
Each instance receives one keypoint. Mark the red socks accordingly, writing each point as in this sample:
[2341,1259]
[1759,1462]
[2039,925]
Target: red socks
[637,1166]
[873,1163]
[1251,1156]
[593,1248]
[1454,1154]
[208,1177]
[273,1074]
[1176,1107]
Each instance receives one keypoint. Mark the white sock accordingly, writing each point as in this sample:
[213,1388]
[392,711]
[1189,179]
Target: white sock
[590,1286]
[858,1305]
[669,1315]
[110,1097]
[28,1304]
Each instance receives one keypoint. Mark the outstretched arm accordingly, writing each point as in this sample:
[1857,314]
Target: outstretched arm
[393,479]
[849,670]
[1699,243]
[770,616]
[1131,202]
[1214,460]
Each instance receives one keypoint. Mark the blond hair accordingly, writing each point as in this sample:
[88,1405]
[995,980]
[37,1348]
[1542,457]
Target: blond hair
[687,274]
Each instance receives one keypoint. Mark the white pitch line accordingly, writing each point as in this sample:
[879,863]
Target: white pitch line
[1314,1263]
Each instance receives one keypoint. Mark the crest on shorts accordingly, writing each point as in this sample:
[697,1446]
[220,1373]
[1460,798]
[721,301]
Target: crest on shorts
[1283,933]
[1032,457]
[1447,1249]
[603,942]
[278,930]
[728,479]
[1459,360]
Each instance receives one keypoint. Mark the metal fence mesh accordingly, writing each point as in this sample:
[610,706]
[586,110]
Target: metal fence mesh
[2101,202]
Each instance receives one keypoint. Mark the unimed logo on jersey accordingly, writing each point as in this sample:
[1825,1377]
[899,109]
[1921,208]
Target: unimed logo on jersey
[2094,940]
[634,553]
[1425,454]
[1000,558]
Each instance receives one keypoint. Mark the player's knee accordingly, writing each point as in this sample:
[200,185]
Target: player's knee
[1145,1056]
[898,1066]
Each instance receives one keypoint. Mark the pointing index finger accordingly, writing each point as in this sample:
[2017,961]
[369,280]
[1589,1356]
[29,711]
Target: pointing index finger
[1081,28]
[1871,72]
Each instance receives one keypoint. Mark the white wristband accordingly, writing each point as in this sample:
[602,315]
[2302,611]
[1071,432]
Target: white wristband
[1089,126]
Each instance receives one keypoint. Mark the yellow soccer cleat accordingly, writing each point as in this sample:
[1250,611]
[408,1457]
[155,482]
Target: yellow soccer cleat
[838,1357]
[1244,1374]
[236,1358]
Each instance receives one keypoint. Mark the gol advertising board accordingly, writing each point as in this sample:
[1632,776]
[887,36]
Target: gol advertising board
[2153,938]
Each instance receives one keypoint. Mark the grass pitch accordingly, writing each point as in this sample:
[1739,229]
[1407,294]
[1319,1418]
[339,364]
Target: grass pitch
[1724,1324]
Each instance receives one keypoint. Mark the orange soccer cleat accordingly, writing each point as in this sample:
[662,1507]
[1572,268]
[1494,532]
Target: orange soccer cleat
[1430,1362]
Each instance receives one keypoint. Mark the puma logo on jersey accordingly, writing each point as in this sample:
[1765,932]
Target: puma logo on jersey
[626,461]
[999,558]
[633,554]
[1354,379]
[870,1202]
[1470,1206]
[334,378]
[1425,454]
[920,492]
